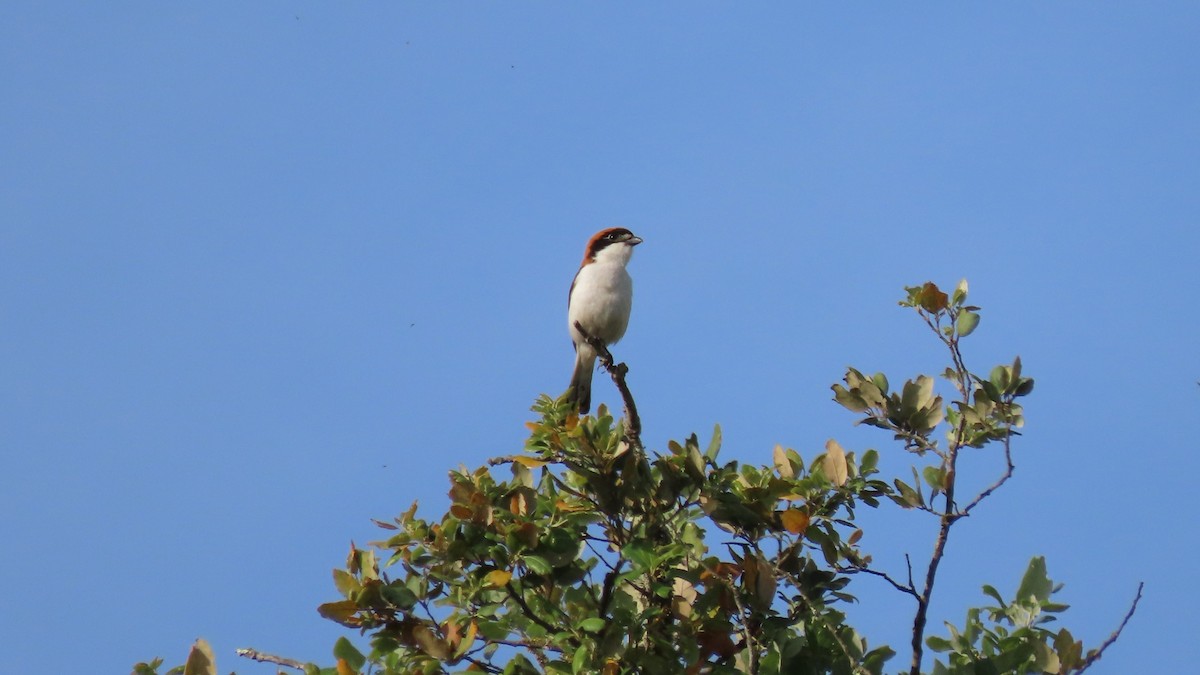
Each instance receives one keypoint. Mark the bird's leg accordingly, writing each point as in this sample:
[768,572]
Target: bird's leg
[606,359]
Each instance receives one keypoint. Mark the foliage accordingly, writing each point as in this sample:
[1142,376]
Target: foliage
[1010,638]
[586,554]
[592,558]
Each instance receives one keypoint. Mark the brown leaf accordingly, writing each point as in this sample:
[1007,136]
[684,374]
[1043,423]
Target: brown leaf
[451,631]
[518,504]
[717,642]
[527,533]
[932,298]
[430,643]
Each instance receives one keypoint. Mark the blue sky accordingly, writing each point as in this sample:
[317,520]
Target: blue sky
[269,270]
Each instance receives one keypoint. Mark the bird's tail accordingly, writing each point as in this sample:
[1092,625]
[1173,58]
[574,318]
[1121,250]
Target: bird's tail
[579,392]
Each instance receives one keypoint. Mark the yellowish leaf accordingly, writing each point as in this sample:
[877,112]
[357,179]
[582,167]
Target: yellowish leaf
[497,578]
[529,462]
[200,660]
[794,520]
[468,639]
[834,463]
[782,465]
[344,668]
[342,611]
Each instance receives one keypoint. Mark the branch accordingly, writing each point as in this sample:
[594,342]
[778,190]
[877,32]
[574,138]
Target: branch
[1096,654]
[480,664]
[1008,472]
[531,645]
[747,635]
[947,520]
[269,658]
[903,588]
[529,610]
[633,423]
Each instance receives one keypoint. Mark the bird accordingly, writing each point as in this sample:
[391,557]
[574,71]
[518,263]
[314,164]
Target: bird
[600,299]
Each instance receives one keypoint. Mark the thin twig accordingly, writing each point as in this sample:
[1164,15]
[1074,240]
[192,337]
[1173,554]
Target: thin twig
[633,423]
[748,642]
[269,658]
[903,588]
[527,644]
[1008,472]
[1095,655]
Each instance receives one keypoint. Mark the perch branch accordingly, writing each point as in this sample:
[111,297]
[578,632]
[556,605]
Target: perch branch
[633,423]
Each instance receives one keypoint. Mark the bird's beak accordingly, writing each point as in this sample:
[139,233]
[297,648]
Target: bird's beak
[633,241]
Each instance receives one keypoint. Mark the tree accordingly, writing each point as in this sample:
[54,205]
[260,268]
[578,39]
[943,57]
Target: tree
[593,556]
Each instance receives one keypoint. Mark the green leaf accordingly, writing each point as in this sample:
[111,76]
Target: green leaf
[1001,378]
[935,477]
[966,323]
[345,582]
[851,400]
[1025,388]
[714,446]
[592,624]
[398,594]
[881,382]
[908,496]
[994,594]
[579,661]
[344,650]
[1035,583]
[537,564]
[640,554]
[938,644]
[870,460]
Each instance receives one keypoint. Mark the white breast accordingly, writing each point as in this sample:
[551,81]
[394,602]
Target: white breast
[601,300]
